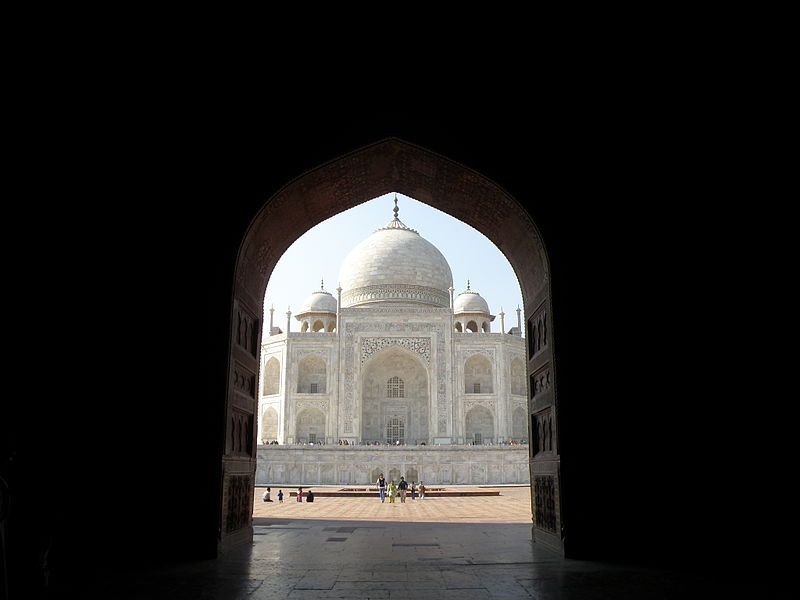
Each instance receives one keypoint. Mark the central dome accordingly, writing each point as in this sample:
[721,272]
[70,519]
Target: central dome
[395,264]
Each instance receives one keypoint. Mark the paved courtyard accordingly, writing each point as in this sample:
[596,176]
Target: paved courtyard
[464,548]
[513,505]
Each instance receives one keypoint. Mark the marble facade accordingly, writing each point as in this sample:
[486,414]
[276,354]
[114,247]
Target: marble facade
[360,465]
[394,357]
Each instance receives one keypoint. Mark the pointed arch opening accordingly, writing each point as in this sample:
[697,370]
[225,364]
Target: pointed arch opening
[386,166]
[478,378]
[272,377]
[311,375]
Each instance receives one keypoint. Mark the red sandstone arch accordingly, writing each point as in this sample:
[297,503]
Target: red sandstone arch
[391,165]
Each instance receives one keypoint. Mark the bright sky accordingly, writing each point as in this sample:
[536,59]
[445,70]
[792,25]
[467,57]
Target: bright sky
[319,253]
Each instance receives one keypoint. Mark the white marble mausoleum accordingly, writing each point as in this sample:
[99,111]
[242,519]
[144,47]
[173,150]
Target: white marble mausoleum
[394,359]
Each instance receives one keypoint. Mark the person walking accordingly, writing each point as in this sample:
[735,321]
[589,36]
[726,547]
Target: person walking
[402,486]
[413,490]
[421,491]
[280,496]
[299,494]
[392,491]
[381,483]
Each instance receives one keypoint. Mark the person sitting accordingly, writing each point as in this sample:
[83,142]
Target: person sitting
[309,496]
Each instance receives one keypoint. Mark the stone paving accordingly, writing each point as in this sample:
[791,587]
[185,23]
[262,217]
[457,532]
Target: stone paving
[513,505]
[464,548]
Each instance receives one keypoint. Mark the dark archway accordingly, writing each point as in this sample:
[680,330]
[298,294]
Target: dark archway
[391,165]
[635,211]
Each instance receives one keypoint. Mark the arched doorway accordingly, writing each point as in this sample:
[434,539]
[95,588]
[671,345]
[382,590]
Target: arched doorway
[479,426]
[394,398]
[391,165]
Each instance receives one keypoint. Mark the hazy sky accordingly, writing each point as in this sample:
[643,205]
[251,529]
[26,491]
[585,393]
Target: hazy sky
[318,254]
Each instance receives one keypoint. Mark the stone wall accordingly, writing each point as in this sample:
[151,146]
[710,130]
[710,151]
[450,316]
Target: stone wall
[360,465]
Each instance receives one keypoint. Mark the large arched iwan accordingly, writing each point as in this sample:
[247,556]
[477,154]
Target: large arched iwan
[391,165]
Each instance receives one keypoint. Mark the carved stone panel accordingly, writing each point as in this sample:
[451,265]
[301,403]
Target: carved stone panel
[544,493]
[239,496]
[418,345]
[240,432]
[543,432]
[246,331]
[541,381]
[244,381]
[538,331]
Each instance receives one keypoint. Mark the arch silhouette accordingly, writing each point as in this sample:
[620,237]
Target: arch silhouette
[393,165]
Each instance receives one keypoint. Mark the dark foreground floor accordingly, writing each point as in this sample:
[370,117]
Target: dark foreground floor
[315,559]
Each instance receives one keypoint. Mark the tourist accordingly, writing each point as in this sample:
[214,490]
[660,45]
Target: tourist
[280,496]
[309,496]
[266,496]
[381,483]
[413,490]
[392,491]
[299,494]
[421,491]
[402,486]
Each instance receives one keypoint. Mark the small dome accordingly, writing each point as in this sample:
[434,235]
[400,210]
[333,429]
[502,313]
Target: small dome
[470,302]
[319,302]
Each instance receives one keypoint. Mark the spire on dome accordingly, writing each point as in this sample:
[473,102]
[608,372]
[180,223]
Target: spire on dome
[396,223]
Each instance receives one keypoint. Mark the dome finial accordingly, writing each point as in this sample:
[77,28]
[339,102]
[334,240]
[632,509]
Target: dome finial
[322,283]
[396,223]
[467,284]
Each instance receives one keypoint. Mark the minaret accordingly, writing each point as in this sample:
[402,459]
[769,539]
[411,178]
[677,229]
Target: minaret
[451,289]
[271,311]
[288,319]
[502,321]
[338,306]
[519,320]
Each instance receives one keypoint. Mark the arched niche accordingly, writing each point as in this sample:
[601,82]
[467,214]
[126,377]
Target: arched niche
[394,385]
[519,425]
[311,375]
[517,377]
[269,425]
[310,426]
[272,377]
[479,425]
[478,377]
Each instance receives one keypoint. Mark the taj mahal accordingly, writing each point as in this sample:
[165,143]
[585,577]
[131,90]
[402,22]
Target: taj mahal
[393,374]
